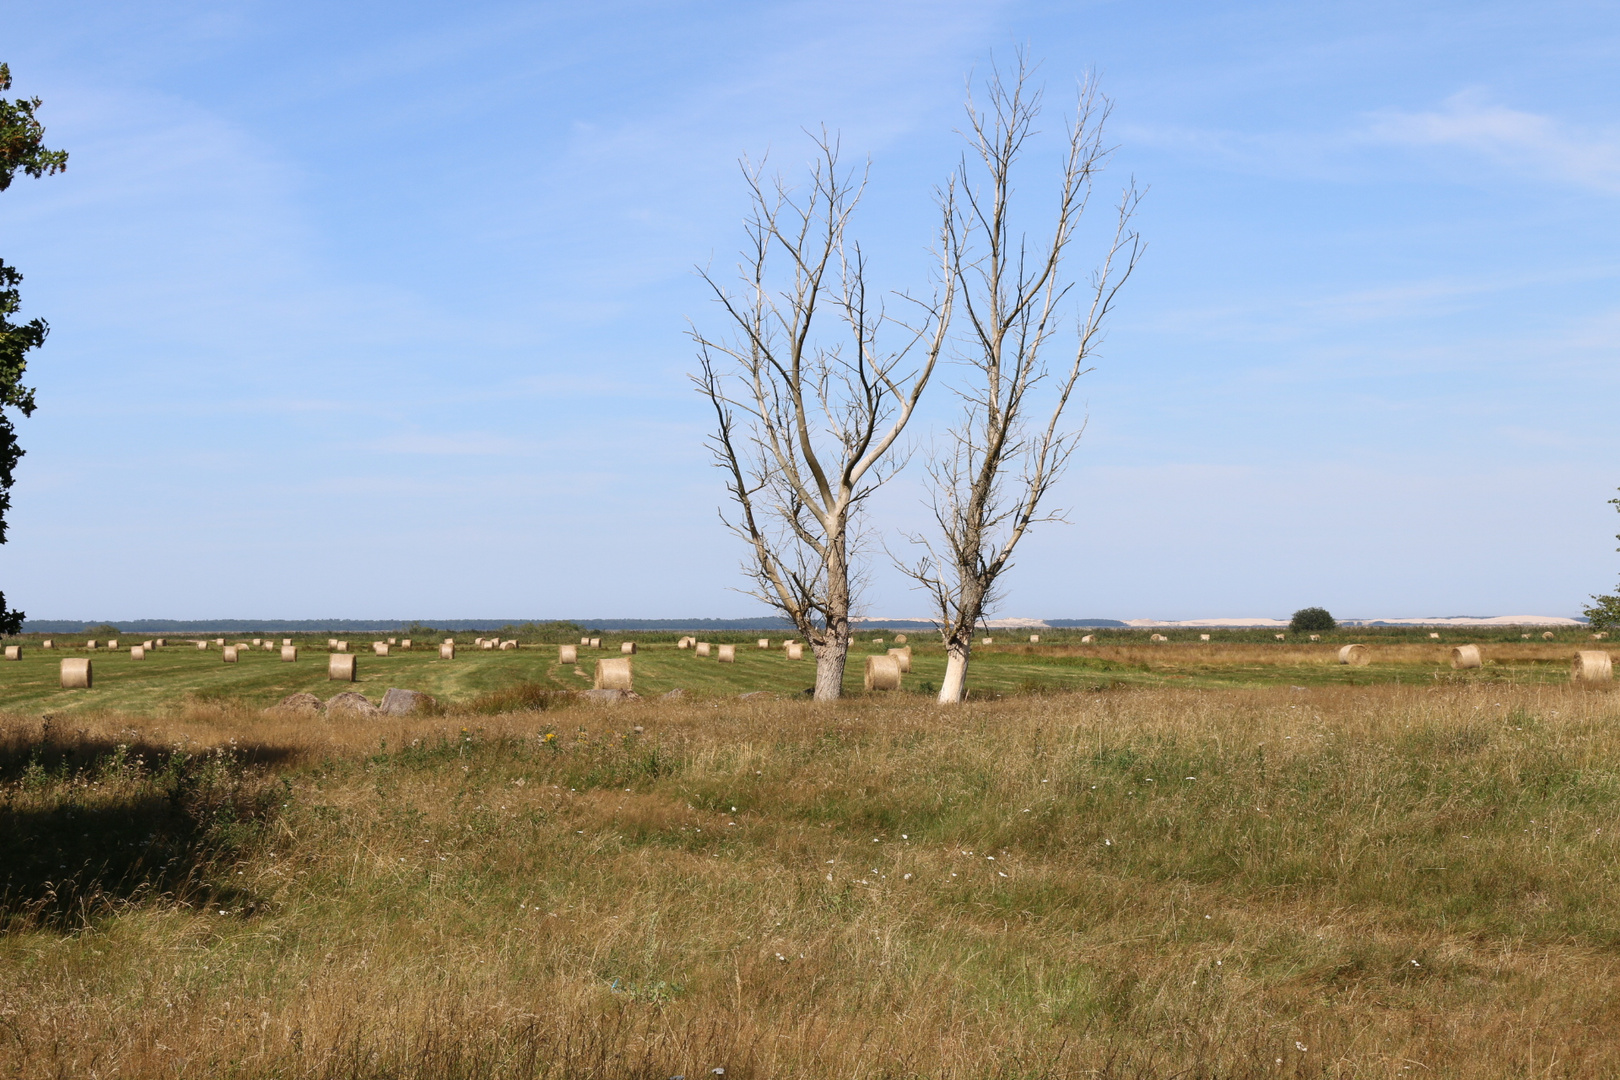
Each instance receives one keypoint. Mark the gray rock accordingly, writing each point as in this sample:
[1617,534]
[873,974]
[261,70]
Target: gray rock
[299,703]
[350,703]
[610,697]
[399,702]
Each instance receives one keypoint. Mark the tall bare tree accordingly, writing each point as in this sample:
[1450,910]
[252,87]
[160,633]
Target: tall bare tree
[997,464]
[812,384]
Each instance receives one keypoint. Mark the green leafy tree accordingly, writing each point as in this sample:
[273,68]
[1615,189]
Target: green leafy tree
[22,149]
[1604,614]
[1312,620]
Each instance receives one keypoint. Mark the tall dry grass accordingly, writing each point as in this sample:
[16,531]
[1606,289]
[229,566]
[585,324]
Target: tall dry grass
[1346,882]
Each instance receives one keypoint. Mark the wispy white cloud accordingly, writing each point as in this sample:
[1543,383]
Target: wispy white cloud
[1526,142]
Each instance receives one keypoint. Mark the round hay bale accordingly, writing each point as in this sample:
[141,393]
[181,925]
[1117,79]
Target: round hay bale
[137,652]
[877,641]
[701,649]
[1316,637]
[1466,656]
[1524,637]
[882,673]
[510,645]
[568,654]
[987,641]
[485,643]
[763,643]
[726,654]
[1354,654]
[391,641]
[795,651]
[203,645]
[380,648]
[229,653]
[13,652]
[1547,635]
[614,674]
[596,643]
[89,644]
[1591,666]
[286,641]
[1434,637]
[75,673]
[331,643]
[289,654]
[904,658]
[627,648]
[220,642]
[405,643]
[447,651]
[342,646]
[160,643]
[1034,639]
[1203,637]
[47,644]
[269,646]
[1281,637]
[1595,637]
[146,645]
[899,639]
[112,644]
[1088,639]
[684,643]
[1157,637]
[258,641]
[584,641]
[342,667]
[448,641]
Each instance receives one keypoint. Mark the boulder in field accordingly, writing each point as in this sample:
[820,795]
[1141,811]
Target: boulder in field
[399,702]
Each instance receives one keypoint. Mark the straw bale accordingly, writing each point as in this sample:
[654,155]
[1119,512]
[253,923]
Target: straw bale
[1316,637]
[628,648]
[75,674]
[882,673]
[584,641]
[289,654]
[203,645]
[568,654]
[380,648]
[220,642]
[1595,637]
[1203,637]
[160,643]
[146,645]
[1281,637]
[331,643]
[1034,639]
[258,641]
[684,643]
[1547,636]
[269,646]
[596,643]
[405,643]
[904,658]
[986,641]
[342,667]
[1591,666]
[342,646]
[229,653]
[13,652]
[112,643]
[1354,654]
[479,642]
[47,644]
[1434,637]
[448,641]
[1524,637]
[1088,639]
[284,642]
[795,651]
[1466,656]
[1157,637]
[137,652]
[702,648]
[486,643]
[509,645]
[726,654]
[899,639]
[391,641]
[447,651]
[613,674]
[877,641]
[763,643]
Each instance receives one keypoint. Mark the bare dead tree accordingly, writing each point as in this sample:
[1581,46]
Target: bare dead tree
[989,481]
[810,397]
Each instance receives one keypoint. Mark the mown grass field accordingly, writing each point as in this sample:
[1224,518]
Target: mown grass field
[179,673]
[1183,867]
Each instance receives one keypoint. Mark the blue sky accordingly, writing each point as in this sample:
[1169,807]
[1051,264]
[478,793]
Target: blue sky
[378,310]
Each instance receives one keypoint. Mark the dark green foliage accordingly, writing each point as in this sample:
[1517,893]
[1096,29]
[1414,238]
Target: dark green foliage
[1312,620]
[21,147]
[1604,614]
[102,630]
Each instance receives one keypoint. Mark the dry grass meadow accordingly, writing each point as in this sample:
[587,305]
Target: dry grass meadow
[1375,880]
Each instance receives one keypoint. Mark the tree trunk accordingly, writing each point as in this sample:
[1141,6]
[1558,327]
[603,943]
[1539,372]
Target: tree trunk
[830,660]
[954,688]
